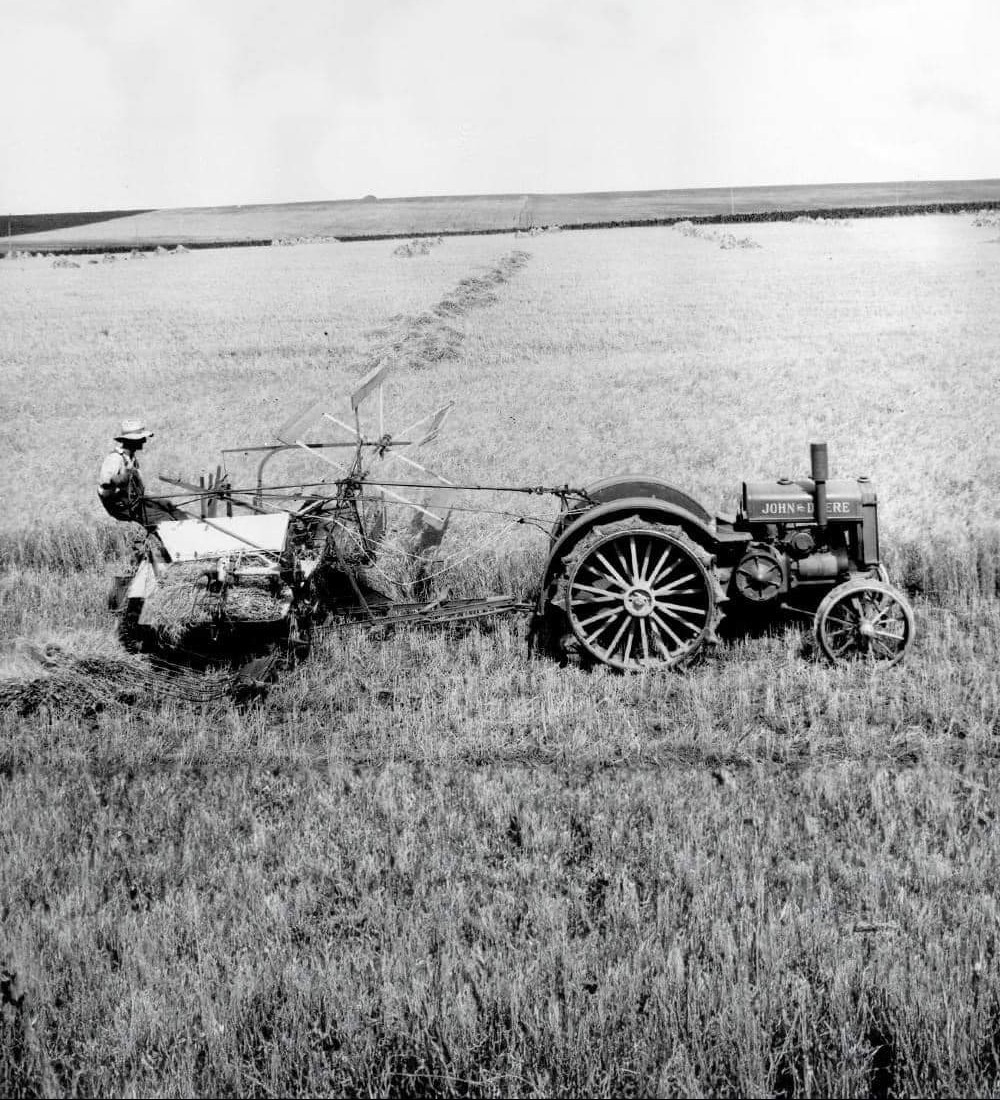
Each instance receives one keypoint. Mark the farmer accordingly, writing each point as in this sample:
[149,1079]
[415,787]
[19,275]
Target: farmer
[121,489]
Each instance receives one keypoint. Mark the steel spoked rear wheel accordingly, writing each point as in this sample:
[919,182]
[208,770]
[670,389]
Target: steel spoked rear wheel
[639,595]
[865,621]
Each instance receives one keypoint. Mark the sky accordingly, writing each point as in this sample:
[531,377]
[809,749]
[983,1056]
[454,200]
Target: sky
[115,104]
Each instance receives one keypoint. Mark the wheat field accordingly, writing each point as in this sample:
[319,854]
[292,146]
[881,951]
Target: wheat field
[432,863]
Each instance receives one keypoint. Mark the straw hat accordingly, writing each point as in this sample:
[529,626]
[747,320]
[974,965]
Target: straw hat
[133,431]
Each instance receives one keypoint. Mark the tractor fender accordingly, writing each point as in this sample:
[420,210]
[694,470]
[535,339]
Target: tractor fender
[647,507]
[627,486]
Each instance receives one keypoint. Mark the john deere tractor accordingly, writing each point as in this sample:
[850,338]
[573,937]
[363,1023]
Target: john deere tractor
[640,575]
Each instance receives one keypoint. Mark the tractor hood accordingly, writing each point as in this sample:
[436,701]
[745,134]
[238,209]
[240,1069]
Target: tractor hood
[789,501]
[189,539]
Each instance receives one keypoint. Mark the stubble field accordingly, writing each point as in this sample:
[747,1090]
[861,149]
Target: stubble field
[432,864]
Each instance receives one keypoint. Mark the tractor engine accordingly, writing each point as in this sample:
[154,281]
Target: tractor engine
[804,533]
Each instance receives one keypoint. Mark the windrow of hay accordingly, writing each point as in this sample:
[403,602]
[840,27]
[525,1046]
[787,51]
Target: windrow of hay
[476,291]
[76,671]
[418,341]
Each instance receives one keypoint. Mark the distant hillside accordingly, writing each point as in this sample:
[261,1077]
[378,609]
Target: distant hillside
[397,217]
[19,224]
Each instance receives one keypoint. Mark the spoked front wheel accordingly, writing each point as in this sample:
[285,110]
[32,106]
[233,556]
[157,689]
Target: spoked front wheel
[638,594]
[864,620]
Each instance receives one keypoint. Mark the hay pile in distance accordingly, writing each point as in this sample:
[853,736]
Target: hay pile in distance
[723,240]
[419,246]
[279,242]
[832,223]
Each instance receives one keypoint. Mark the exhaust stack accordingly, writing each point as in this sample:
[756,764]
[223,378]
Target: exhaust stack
[820,473]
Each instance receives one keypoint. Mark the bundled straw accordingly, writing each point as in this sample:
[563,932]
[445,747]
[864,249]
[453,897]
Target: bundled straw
[253,604]
[181,600]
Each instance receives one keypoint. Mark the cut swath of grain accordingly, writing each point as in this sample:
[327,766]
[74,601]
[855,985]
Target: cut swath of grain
[75,671]
[429,340]
[418,341]
[477,291]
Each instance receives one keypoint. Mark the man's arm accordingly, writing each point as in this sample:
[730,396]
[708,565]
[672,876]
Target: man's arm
[114,473]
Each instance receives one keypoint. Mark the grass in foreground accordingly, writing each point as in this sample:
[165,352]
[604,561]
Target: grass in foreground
[430,864]
[500,930]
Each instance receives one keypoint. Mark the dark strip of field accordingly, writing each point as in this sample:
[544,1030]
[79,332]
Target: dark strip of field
[17,225]
[380,219]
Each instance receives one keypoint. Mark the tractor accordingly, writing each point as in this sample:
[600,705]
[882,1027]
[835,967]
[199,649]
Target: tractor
[640,575]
